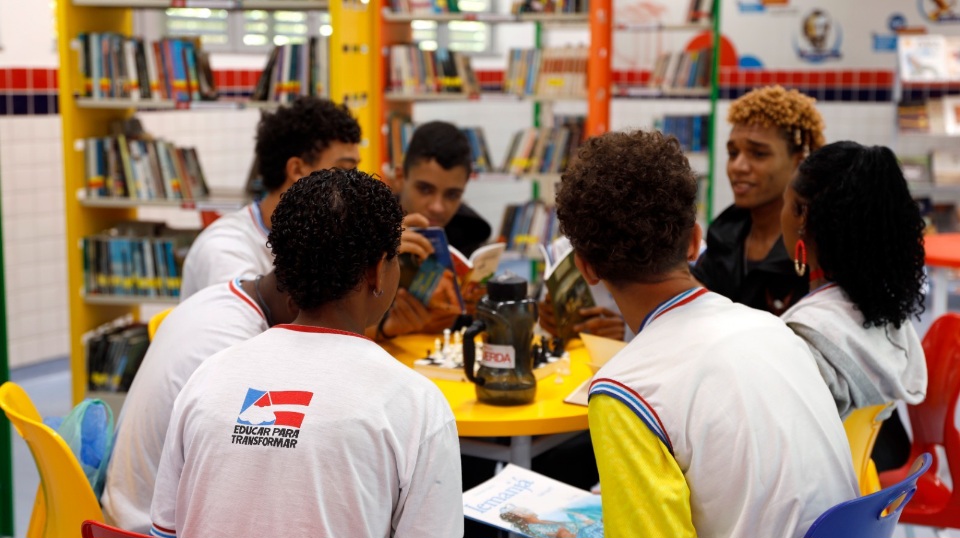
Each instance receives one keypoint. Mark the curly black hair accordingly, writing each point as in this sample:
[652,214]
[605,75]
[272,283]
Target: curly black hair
[439,141]
[303,129]
[329,228]
[628,205]
[866,228]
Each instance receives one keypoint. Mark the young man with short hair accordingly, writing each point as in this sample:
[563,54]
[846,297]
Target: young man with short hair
[310,134]
[714,420]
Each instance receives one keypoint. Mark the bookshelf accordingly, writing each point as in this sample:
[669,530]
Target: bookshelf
[350,57]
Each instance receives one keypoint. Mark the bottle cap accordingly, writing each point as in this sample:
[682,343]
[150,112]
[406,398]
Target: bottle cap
[507,287]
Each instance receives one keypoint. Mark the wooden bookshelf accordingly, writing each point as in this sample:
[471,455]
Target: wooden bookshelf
[351,65]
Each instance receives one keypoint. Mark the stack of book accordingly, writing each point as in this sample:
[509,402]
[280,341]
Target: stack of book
[294,70]
[541,151]
[400,129]
[414,71]
[114,66]
[684,69]
[526,226]
[692,131]
[940,116]
[114,353]
[135,259]
[548,72]
[550,6]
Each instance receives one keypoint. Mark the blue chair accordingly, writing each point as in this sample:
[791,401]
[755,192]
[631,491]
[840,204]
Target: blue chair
[872,516]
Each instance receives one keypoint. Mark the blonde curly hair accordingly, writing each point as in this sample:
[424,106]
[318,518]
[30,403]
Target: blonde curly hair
[791,111]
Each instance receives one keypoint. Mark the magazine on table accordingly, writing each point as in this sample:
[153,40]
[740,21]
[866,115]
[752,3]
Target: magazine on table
[521,501]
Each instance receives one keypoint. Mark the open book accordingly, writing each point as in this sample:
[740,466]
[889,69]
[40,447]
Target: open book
[530,504]
[569,291]
[475,271]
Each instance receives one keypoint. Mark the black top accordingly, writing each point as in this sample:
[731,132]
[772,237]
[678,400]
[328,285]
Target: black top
[467,231]
[770,284]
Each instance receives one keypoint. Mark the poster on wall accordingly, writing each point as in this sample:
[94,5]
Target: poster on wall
[939,11]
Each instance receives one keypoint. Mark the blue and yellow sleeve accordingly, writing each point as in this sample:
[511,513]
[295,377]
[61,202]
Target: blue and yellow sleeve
[644,491]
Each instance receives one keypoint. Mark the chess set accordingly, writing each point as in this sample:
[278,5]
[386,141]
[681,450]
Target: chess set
[445,360]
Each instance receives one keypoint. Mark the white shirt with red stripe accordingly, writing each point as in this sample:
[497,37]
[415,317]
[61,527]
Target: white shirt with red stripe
[234,246]
[737,399]
[303,431]
[211,321]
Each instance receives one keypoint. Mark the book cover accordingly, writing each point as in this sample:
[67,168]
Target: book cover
[569,292]
[527,503]
[421,279]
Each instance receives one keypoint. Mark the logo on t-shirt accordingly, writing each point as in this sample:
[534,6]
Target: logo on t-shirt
[271,418]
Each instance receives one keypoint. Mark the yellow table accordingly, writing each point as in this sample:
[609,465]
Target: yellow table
[548,417]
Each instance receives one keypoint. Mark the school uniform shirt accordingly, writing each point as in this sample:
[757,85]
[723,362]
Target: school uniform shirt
[209,322]
[234,246]
[714,422]
[305,431]
[862,366]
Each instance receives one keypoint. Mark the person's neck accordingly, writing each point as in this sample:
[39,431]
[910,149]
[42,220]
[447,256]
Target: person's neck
[268,298]
[267,206]
[346,315]
[765,221]
[637,299]
[817,278]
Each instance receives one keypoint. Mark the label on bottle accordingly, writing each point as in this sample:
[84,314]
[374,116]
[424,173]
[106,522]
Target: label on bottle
[497,356]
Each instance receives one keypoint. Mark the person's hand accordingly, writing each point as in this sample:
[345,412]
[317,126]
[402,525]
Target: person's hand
[407,315]
[444,307]
[472,293]
[412,242]
[600,321]
[548,320]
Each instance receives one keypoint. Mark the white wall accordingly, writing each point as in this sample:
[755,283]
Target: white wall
[27,34]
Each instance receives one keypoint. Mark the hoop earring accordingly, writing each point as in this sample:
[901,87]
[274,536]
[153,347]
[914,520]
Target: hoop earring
[377,293]
[800,258]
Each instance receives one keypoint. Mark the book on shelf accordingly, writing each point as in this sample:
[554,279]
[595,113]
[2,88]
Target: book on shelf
[131,164]
[114,352]
[516,498]
[550,6]
[945,166]
[524,226]
[700,10]
[424,6]
[114,66]
[415,71]
[691,130]
[400,129]
[543,151]
[294,70]
[913,116]
[928,58]
[547,72]
[135,259]
[683,69]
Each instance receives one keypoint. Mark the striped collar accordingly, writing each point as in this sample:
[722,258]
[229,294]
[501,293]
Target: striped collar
[237,290]
[672,303]
[257,217]
[825,287]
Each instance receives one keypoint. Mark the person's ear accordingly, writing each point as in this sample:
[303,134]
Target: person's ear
[377,276]
[295,169]
[587,270]
[696,237]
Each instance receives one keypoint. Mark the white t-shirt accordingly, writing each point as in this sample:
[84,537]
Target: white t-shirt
[209,322]
[737,399]
[304,431]
[234,246]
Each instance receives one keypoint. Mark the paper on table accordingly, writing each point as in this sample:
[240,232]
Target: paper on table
[601,349]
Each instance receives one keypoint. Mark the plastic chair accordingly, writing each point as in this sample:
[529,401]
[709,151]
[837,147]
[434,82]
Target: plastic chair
[95,529]
[155,322]
[862,427]
[873,516]
[932,422]
[64,498]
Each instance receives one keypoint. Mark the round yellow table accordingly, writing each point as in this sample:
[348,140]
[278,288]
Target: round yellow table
[548,417]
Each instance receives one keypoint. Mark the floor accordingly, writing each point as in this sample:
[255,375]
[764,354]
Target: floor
[48,385]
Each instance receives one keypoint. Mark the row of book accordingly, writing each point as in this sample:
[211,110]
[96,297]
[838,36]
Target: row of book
[550,6]
[547,72]
[527,226]
[142,168]
[142,259]
[683,69]
[114,352]
[120,67]
[295,69]
[417,71]
[400,129]
[545,150]
[692,131]
[931,116]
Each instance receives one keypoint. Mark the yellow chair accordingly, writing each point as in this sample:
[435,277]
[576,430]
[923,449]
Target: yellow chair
[64,499]
[862,427]
[155,321]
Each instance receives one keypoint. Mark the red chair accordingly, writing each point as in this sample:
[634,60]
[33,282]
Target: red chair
[95,529]
[932,421]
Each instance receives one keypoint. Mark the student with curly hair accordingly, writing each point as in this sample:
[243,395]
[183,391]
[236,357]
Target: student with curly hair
[857,234]
[310,134]
[713,420]
[310,429]
[773,130]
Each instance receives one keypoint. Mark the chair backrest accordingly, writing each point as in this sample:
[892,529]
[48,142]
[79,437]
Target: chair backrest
[155,322]
[873,516]
[932,419]
[65,498]
[862,427]
[95,529]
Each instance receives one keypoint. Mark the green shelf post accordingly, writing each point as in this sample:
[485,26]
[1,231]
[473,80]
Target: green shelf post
[6,448]
[714,97]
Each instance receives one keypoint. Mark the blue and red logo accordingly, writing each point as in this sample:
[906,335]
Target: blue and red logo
[274,408]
